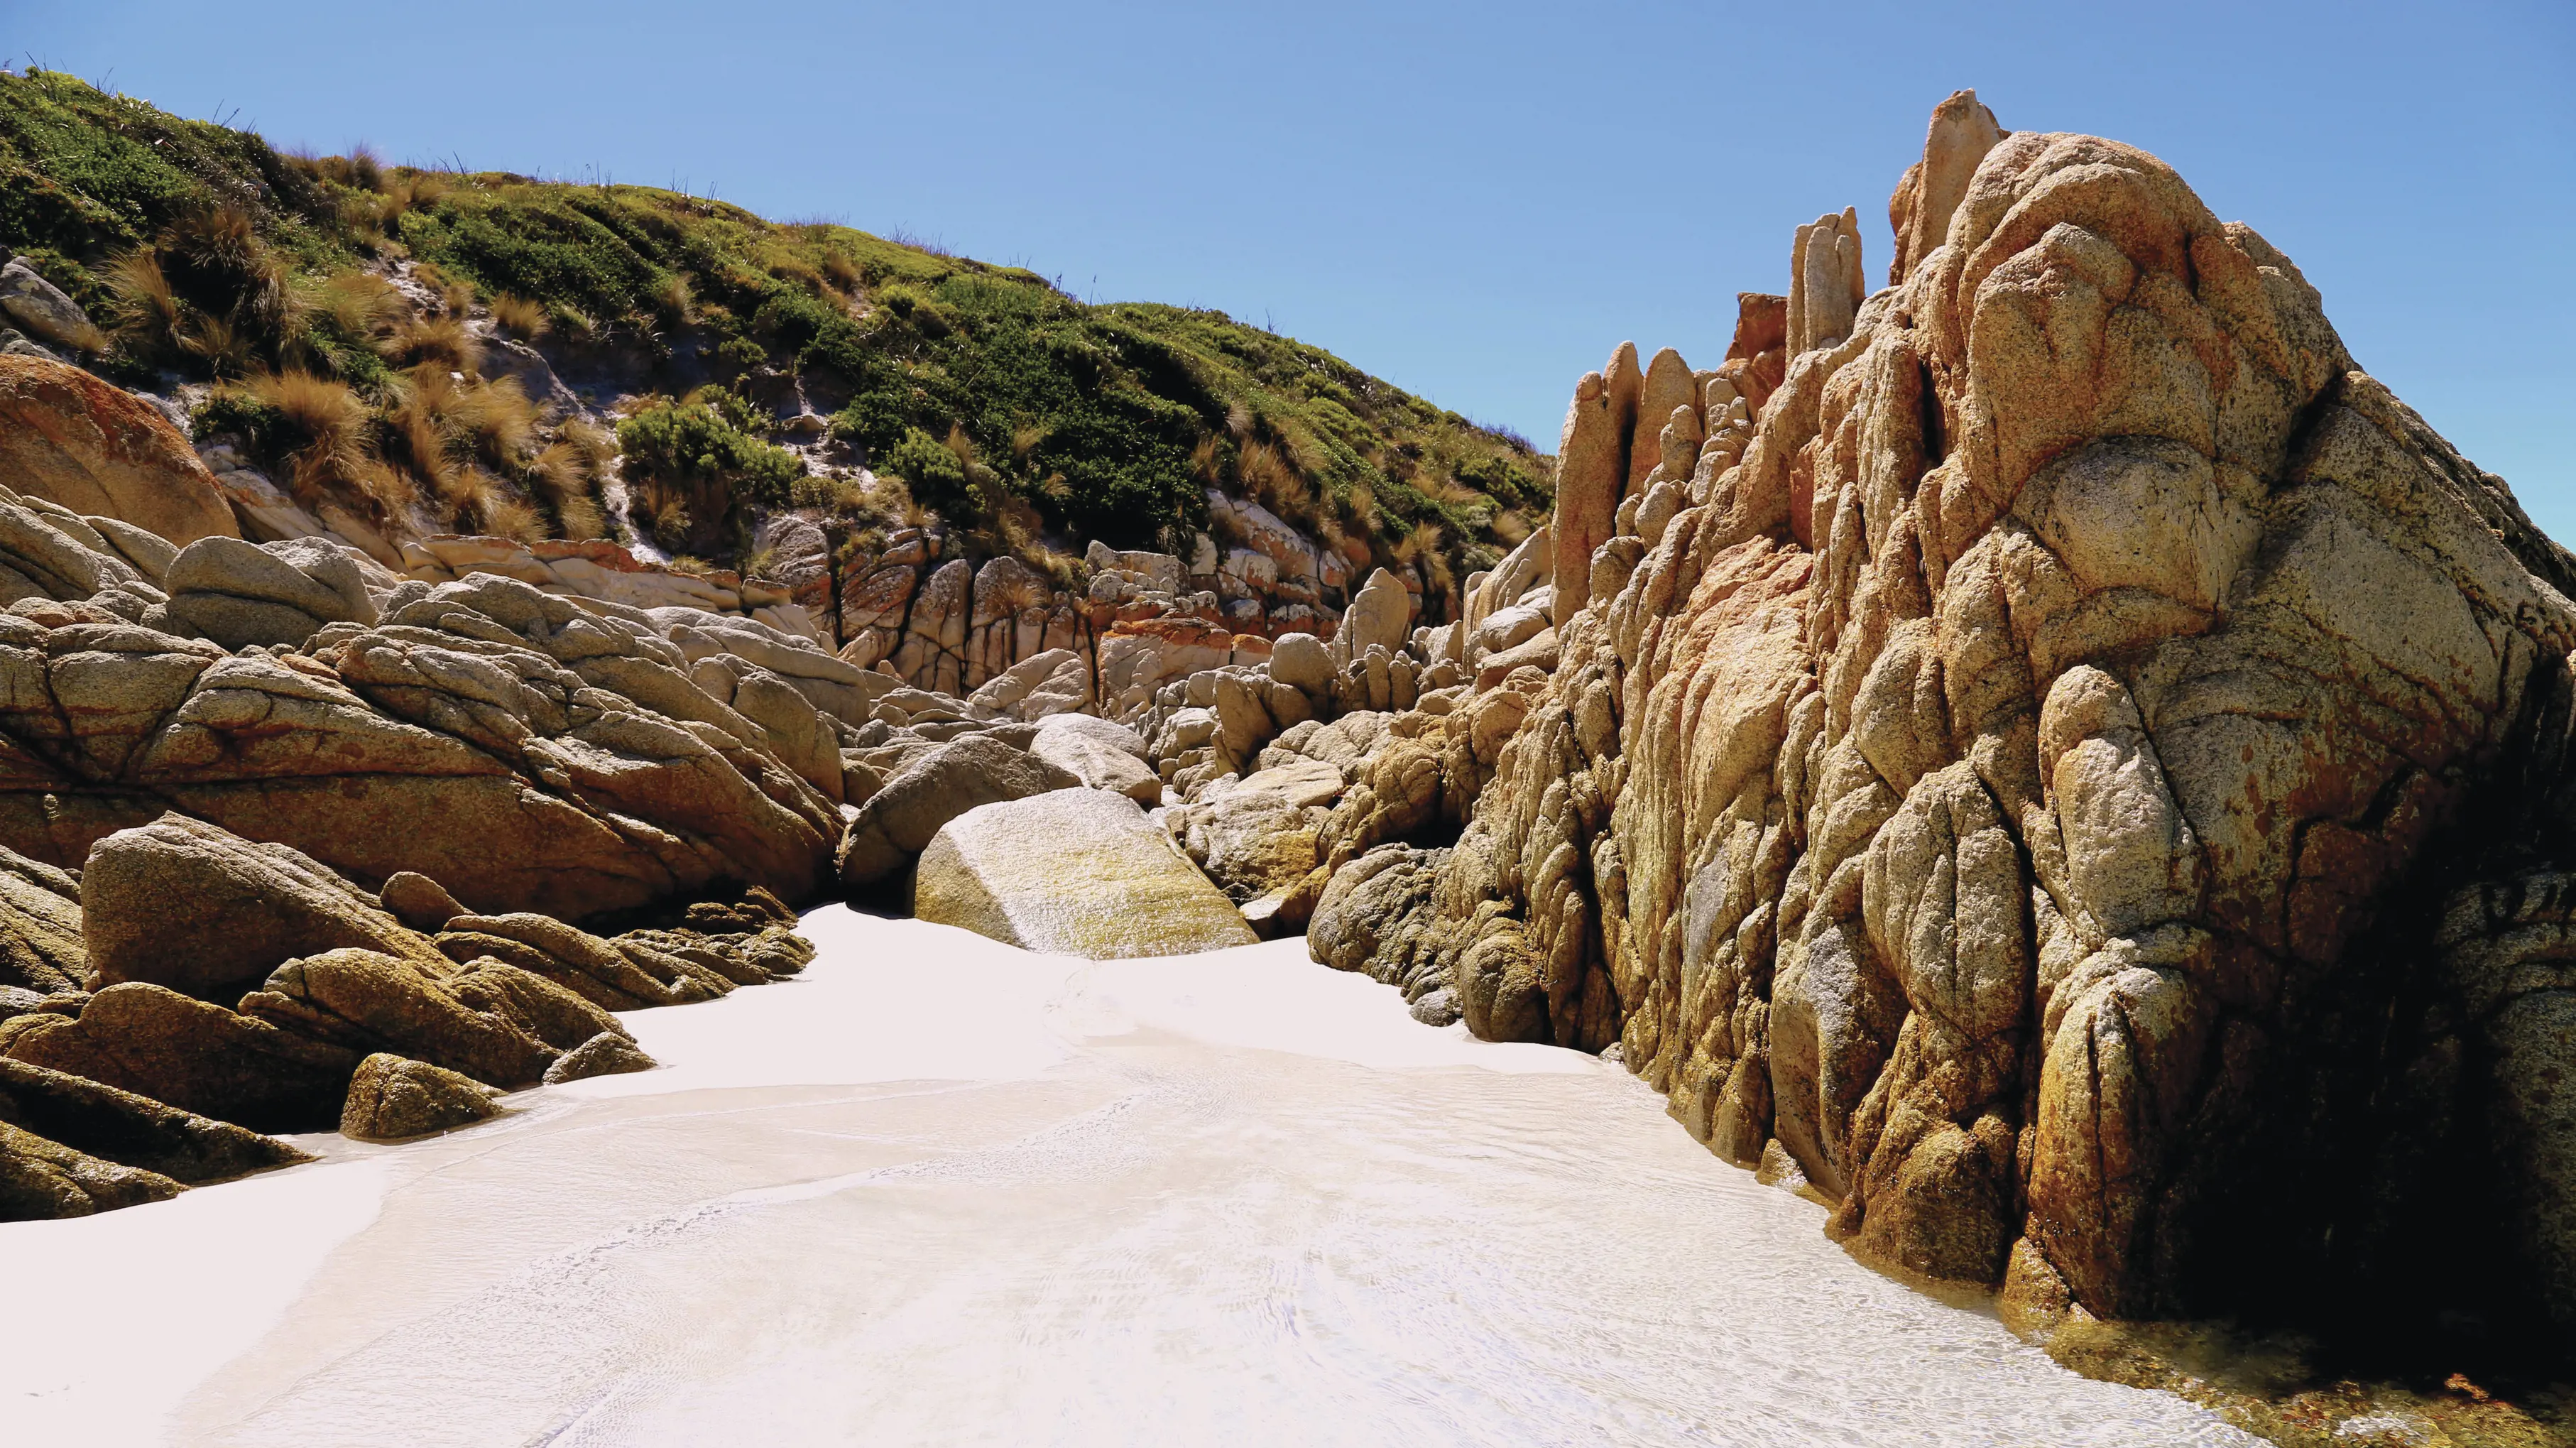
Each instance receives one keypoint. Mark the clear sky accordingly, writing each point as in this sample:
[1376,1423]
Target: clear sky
[1477,202]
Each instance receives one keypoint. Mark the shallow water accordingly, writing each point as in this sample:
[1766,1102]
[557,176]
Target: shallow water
[939,1191]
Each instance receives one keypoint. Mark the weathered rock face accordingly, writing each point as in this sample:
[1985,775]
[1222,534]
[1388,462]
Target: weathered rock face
[1042,685]
[506,1000]
[898,821]
[70,438]
[39,306]
[238,593]
[525,750]
[606,1054]
[41,1178]
[124,1127]
[70,1147]
[925,610]
[1258,835]
[589,568]
[1591,474]
[419,901]
[192,1054]
[183,904]
[41,944]
[1825,286]
[1961,134]
[1380,615]
[1076,872]
[1098,753]
[391,1098]
[2045,755]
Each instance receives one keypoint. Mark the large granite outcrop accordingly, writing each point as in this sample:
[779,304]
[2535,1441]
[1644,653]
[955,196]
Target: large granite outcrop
[527,750]
[183,904]
[70,438]
[2087,780]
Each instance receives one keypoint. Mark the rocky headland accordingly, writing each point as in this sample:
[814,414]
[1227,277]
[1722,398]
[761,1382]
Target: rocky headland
[2043,755]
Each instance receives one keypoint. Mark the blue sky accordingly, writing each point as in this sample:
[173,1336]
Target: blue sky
[1477,202]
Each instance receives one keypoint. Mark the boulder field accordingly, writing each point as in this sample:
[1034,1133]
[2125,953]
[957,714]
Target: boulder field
[301,831]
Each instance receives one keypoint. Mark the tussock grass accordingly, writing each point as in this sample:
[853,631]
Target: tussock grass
[520,317]
[494,420]
[443,342]
[361,304]
[149,312]
[330,432]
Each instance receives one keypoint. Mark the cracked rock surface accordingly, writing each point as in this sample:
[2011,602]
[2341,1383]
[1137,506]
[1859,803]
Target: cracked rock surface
[2087,780]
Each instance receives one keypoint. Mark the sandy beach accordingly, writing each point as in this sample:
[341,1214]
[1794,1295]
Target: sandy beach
[943,1191]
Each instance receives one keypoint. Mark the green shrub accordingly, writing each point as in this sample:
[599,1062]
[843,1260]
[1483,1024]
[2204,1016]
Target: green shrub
[874,420]
[793,318]
[932,472]
[695,445]
[231,410]
[520,241]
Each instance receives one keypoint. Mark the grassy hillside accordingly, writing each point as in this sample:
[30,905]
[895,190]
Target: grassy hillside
[1012,410]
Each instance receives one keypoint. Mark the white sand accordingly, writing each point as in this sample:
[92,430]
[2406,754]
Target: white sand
[940,1191]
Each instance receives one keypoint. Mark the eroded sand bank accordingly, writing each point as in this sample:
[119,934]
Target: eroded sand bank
[940,1191]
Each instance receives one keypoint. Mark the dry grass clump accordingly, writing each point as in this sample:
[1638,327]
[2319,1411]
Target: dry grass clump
[362,169]
[216,252]
[149,307]
[493,420]
[1341,540]
[505,515]
[1064,570]
[227,350]
[361,304]
[416,439]
[335,427]
[455,293]
[840,494]
[1275,484]
[207,288]
[520,317]
[416,190]
[1456,494]
[1425,548]
[665,515]
[1358,507]
[565,475]
[1019,523]
[443,342]
[460,445]
[890,498]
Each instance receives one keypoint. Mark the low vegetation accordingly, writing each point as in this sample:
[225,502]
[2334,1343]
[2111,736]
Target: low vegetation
[341,308]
